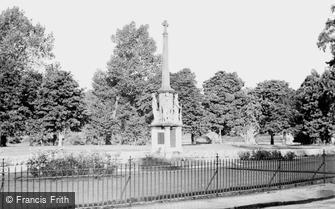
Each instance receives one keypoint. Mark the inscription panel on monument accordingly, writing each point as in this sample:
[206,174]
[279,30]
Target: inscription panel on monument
[160,137]
[173,137]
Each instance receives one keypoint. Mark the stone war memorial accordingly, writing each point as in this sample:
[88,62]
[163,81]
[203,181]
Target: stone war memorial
[166,127]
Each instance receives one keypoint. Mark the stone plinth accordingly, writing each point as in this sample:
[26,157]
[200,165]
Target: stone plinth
[166,128]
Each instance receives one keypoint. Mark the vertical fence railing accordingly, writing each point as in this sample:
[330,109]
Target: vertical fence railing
[324,165]
[2,175]
[130,165]
[132,182]
[280,173]
[217,174]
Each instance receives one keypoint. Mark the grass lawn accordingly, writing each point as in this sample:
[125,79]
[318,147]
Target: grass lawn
[230,148]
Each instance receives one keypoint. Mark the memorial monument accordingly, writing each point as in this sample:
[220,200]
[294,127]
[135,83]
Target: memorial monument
[166,127]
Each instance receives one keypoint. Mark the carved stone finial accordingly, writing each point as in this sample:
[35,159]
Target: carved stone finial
[165,24]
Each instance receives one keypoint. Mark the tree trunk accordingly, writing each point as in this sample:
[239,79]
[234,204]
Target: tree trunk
[192,138]
[272,139]
[220,135]
[108,139]
[115,106]
[54,139]
[114,116]
[3,141]
[60,138]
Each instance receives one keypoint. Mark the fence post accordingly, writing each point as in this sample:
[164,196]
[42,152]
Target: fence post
[279,168]
[129,180]
[324,165]
[217,174]
[3,175]
[3,180]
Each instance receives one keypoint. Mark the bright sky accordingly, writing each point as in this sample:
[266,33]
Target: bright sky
[259,39]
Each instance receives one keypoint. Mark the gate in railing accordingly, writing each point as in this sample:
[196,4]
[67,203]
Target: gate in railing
[132,182]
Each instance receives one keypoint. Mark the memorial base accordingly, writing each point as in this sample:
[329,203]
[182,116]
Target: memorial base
[166,139]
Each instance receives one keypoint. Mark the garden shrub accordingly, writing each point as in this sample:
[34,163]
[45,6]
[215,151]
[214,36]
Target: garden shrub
[260,155]
[244,155]
[266,155]
[290,156]
[151,162]
[275,155]
[76,138]
[14,140]
[141,141]
[55,163]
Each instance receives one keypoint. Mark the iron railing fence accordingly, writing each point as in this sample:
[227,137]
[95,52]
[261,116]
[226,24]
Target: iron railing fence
[133,182]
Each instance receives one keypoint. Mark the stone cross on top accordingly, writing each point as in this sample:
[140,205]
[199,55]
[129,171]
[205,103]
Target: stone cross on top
[165,24]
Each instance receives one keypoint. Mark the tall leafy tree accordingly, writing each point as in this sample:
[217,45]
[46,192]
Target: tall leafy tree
[133,61]
[276,98]
[327,104]
[132,66]
[59,104]
[144,102]
[315,104]
[102,104]
[309,118]
[326,39]
[190,98]
[220,92]
[23,47]
[247,115]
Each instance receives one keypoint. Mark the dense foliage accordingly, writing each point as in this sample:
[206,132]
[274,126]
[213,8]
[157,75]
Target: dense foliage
[266,155]
[59,105]
[23,48]
[247,116]
[190,98]
[327,37]
[275,98]
[43,101]
[35,98]
[220,93]
[315,107]
[121,95]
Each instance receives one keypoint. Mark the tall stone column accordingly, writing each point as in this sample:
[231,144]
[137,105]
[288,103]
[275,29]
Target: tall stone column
[166,128]
[165,67]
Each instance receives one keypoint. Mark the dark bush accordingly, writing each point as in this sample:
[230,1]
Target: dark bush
[289,156]
[260,155]
[14,140]
[266,155]
[47,164]
[150,162]
[275,155]
[244,155]
[153,161]
[141,141]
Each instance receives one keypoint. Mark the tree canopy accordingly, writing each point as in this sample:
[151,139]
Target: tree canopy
[220,92]
[38,98]
[190,98]
[275,97]
[59,105]
[23,47]
[125,87]
[326,38]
